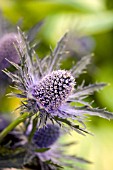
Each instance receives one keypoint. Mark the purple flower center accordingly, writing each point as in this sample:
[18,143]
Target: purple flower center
[53,89]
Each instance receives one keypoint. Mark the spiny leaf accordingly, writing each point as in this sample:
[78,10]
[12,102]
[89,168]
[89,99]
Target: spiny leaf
[34,30]
[41,150]
[81,65]
[87,90]
[57,53]
[78,159]
[73,126]
[54,164]
[13,64]
[16,94]
[35,121]
[14,77]
[95,111]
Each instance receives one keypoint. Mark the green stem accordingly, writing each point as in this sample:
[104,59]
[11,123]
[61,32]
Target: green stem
[13,125]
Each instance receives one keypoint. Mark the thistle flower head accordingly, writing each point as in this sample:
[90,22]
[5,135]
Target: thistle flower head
[53,89]
[46,136]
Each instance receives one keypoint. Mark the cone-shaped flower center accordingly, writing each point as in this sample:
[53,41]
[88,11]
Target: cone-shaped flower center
[46,136]
[53,89]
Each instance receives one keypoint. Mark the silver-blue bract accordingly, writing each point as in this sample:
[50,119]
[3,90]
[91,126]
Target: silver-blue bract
[49,90]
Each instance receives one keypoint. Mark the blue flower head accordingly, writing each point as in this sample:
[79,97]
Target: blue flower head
[50,91]
[49,151]
[7,52]
[46,136]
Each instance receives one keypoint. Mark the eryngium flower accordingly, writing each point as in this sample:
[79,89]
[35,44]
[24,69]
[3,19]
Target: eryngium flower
[46,136]
[50,91]
[49,151]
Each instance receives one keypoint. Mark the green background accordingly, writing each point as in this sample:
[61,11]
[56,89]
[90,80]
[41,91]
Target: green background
[94,19]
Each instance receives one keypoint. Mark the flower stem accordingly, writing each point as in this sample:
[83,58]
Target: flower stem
[13,125]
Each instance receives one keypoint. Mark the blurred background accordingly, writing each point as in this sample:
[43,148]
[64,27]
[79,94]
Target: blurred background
[90,23]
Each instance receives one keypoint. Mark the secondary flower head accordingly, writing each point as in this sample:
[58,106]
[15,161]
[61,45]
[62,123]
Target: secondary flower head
[46,136]
[8,34]
[44,151]
[50,91]
[8,50]
[49,151]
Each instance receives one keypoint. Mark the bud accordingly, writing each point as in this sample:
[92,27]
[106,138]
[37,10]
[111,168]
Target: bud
[46,136]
